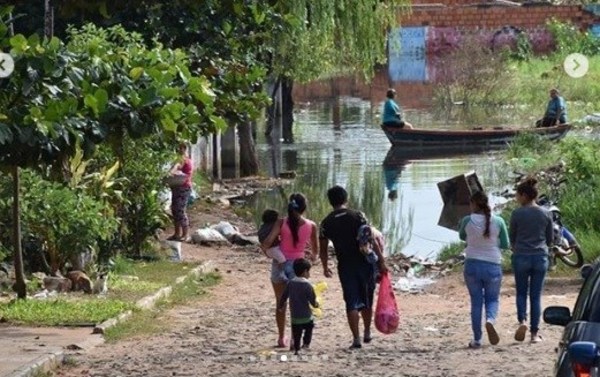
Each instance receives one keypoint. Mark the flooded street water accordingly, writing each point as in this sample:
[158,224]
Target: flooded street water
[345,146]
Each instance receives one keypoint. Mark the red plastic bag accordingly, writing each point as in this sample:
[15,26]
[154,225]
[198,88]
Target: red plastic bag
[387,316]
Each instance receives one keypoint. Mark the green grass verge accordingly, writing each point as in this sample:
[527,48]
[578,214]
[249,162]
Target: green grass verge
[146,322]
[62,312]
[144,278]
[138,279]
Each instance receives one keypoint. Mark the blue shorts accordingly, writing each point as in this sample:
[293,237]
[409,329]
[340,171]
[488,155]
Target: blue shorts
[282,273]
[358,286]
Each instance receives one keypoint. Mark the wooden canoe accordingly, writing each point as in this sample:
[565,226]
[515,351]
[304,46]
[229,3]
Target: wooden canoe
[468,139]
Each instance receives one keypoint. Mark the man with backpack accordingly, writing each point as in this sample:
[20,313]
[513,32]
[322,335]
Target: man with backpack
[356,274]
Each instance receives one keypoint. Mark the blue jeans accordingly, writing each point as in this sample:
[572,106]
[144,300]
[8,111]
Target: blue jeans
[483,281]
[530,271]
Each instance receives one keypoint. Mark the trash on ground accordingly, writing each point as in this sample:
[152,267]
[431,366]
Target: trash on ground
[208,236]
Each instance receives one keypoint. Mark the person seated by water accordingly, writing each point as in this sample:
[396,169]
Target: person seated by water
[392,114]
[556,112]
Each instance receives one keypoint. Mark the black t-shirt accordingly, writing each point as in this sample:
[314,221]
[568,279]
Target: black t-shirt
[341,227]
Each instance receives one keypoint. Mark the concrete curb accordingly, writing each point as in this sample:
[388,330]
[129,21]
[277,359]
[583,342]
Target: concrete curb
[43,363]
[52,360]
[149,302]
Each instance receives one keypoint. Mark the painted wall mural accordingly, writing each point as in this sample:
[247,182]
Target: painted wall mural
[406,58]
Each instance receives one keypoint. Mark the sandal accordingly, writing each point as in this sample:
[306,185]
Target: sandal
[474,344]
[174,238]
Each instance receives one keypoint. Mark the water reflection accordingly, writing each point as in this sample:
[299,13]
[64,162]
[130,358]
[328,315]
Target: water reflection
[340,142]
[391,173]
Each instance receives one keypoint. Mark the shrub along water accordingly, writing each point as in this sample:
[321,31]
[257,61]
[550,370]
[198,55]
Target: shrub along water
[517,82]
[578,197]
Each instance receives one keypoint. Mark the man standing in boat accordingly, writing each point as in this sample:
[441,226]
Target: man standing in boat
[392,114]
[556,112]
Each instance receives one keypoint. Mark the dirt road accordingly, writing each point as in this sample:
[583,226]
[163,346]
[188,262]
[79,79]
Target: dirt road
[232,333]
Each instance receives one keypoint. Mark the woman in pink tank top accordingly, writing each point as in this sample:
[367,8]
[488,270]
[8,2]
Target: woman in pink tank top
[296,233]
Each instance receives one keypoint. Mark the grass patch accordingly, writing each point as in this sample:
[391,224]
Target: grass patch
[69,361]
[42,373]
[62,311]
[146,322]
[144,278]
[134,281]
[537,75]
[451,251]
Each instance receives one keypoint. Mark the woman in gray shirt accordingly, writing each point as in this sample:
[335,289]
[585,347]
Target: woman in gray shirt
[530,236]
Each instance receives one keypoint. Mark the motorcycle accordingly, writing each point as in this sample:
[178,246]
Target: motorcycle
[564,246]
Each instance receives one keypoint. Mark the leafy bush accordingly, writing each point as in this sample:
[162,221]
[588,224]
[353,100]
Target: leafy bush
[474,75]
[61,221]
[451,251]
[523,50]
[583,159]
[4,253]
[66,222]
[570,39]
[578,199]
[580,204]
[142,210]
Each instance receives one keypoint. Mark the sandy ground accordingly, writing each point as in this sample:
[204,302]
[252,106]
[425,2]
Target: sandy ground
[232,332]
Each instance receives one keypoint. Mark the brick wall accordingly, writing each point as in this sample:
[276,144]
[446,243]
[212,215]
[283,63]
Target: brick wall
[447,21]
[494,15]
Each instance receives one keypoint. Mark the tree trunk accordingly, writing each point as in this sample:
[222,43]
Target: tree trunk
[248,157]
[272,110]
[19,286]
[48,19]
[287,108]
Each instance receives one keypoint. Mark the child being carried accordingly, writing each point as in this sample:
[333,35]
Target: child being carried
[269,219]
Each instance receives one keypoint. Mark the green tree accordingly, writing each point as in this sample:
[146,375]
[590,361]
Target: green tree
[287,40]
[328,38]
[103,85]
[41,118]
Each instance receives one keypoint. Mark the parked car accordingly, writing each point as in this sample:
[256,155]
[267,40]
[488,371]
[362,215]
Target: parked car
[582,329]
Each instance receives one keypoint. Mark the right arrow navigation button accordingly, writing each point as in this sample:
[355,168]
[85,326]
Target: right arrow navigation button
[576,65]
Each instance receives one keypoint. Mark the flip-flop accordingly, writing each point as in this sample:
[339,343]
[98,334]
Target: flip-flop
[520,333]
[492,334]
[367,339]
